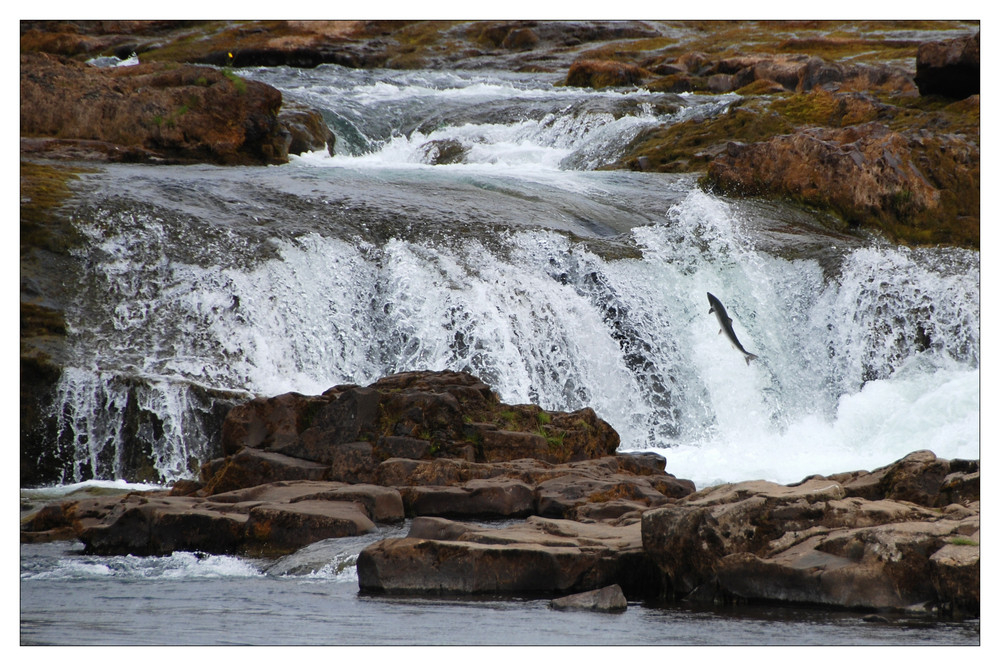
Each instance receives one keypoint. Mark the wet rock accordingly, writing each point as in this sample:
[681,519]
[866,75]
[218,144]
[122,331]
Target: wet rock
[252,467]
[812,543]
[949,68]
[541,556]
[283,528]
[141,525]
[603,74]
[484,498]
[608,599]
[520,39]
[151,112]
[307,128]
[869,174]
[270,519]
[444,151]
[416,415]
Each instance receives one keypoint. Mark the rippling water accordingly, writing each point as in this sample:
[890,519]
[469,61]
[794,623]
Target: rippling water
[71,599]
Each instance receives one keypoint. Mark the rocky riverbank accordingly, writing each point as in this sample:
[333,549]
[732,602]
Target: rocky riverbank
[891,108]
[440,448]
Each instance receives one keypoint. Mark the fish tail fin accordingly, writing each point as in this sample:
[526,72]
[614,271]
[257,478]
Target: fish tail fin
[749,357]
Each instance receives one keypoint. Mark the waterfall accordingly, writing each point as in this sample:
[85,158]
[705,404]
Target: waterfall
[554,283]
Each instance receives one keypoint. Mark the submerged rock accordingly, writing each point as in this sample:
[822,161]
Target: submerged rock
[608,599]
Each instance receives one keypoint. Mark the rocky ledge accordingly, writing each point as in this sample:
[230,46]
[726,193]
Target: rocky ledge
[888,106]
[158,112]
[440,448]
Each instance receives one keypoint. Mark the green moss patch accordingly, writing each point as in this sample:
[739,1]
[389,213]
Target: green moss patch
[43,190]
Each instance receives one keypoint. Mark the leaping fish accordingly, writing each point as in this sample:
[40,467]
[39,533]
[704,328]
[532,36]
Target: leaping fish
[727,326]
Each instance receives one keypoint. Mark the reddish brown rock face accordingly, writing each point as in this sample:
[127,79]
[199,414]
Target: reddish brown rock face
[868,173]
[603,74]
[154,112]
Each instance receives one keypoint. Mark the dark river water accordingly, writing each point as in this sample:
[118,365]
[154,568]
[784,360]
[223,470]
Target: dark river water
[184,599]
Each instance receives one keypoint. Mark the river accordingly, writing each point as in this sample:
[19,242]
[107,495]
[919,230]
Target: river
[464,223]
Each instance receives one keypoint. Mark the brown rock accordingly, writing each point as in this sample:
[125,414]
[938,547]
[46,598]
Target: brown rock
[520,39]
[955,575]
[444,151]
[484,498]
[251,467]
[603,74]
[416,415]
[273,529]
[867,173]
[810,543]
[381,504]
[540,555]
[307,128]
[154,112]
[949,68]
[608,599]
[500,445]
[140,525]
[921,478]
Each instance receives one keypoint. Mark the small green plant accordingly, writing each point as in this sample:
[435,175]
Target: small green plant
[962,541]
[554,440]
[227,71]
[544,418]
[238,83]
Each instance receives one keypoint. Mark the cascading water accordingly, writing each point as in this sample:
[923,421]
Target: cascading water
[516,261]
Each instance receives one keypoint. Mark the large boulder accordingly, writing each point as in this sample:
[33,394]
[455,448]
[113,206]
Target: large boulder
[816,542]
[150,112]
[949,68]
[920,477]
[910,185]
[539,556]
[415,416]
